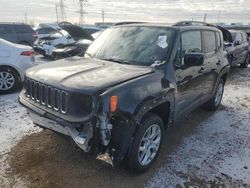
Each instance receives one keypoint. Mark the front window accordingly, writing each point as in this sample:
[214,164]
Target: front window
[137,45]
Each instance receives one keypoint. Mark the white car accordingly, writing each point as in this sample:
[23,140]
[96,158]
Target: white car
[15,59]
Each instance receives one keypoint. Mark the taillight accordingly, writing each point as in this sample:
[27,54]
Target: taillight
[27,53]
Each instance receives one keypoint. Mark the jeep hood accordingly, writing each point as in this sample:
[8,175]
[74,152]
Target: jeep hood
[85,75]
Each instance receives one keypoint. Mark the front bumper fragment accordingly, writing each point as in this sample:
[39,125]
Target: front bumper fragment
[80,138]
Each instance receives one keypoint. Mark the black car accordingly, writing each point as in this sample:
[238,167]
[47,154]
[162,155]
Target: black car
[135,81]
[18,33]
[238,50]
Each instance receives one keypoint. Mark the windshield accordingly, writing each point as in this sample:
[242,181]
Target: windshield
[138,45]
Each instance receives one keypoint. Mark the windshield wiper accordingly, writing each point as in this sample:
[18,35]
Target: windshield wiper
[121,61]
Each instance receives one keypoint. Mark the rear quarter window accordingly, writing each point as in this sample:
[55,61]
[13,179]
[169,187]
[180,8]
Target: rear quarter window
[22,29]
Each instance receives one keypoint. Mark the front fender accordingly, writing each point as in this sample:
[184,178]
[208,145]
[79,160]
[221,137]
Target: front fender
[132,94]
[148,105]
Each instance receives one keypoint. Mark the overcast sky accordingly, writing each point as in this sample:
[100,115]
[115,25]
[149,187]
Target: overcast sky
[138,10]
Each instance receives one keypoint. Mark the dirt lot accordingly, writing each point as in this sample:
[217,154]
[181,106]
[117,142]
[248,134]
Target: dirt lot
[208,149]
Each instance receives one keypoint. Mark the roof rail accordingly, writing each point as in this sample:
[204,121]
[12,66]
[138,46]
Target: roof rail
[126,23]
[190,23]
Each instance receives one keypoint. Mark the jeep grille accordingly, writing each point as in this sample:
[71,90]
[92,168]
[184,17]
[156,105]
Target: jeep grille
[47,96]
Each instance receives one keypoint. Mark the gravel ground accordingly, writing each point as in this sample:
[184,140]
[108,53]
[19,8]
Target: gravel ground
[208,149]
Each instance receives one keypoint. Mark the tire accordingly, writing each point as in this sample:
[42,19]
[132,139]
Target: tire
[136,162]
[9,80]
[214,103]
[245,64]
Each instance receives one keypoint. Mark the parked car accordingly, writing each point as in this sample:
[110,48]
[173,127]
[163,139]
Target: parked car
[47,30]
[65,41]
[90,29]
[238,50]
[135,81]
[18,33]
[15,59]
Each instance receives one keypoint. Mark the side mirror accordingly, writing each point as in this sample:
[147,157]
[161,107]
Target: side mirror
[237,43]
[193,59]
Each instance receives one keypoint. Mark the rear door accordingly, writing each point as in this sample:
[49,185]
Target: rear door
[213,60]
[24,33]
[189,79]
[7,33]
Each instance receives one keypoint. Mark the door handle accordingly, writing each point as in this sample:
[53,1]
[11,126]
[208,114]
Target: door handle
[202,69]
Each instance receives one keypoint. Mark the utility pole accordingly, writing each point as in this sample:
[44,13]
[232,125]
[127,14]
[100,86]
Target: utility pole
[62,15]
[205,17]
[81,11]
[219,17]
[103,15]
[57,18]
[25,18]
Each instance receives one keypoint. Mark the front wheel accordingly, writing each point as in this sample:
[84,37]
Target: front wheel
[215,101]
[146,144]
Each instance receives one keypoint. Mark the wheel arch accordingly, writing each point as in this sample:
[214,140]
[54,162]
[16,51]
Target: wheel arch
[163,106]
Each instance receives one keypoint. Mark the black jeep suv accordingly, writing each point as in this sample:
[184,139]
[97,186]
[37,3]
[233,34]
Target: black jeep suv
[135,81]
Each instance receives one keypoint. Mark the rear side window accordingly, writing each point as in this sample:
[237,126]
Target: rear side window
[5,29]
[209,42]
[22,29]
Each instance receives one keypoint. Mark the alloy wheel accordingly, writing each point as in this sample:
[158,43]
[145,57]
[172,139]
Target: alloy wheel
[7,81]
[149,144]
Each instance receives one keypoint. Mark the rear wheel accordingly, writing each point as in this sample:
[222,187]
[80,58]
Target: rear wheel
[9,80]
[215,101]
[146,144]
[246,63]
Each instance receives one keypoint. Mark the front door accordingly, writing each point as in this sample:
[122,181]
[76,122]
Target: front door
[188,78]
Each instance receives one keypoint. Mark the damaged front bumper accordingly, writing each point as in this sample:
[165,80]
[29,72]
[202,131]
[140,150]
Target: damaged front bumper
[81,134]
